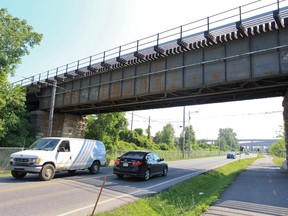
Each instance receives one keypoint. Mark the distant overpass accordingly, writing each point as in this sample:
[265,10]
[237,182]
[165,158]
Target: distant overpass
[252,143]
[257,142]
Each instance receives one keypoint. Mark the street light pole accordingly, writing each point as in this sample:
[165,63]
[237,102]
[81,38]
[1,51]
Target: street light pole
[189,135]
[52,104]
[183,133]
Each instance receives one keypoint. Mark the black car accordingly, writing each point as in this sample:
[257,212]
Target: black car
[142,164]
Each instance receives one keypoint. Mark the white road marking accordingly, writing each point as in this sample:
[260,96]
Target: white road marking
[135,192]
[138,191]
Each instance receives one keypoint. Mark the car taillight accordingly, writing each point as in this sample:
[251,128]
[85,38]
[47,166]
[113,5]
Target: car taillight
[117,162]
[136,163]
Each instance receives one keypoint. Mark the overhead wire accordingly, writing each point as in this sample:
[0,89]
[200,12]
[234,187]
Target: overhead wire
[205,117]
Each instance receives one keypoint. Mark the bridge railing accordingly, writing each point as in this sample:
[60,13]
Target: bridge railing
[248,14]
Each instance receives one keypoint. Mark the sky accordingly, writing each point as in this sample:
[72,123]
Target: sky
[76,29]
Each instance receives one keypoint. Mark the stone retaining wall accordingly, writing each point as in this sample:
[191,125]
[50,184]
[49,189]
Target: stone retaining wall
[64,125]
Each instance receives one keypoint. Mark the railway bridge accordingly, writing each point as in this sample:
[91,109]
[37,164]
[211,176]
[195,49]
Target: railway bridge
[236,55]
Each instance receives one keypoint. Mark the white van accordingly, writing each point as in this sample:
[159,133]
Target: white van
[52,154]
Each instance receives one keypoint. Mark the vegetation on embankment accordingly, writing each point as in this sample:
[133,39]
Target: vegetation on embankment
[191,197]
[278,160]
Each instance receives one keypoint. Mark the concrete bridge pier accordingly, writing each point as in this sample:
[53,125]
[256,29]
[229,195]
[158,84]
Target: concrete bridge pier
[64,125]
[285,118]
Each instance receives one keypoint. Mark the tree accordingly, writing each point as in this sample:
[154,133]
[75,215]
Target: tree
[203,144]
[190,138]
[221,143]
[138,138]
[167,135]
[278,148]
[16,37]
[227,140]
[106,127]
[14,126]
[139,131]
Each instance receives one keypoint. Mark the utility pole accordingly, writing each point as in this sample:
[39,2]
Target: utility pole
[219,144]
[149,132]
[52,104]
[132,120]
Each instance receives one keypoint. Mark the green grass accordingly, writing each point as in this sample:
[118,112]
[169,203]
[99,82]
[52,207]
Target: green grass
[6,174]
[278,160]
[192,197]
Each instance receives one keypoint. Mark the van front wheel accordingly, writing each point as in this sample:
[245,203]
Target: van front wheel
[94,169]
[47,172]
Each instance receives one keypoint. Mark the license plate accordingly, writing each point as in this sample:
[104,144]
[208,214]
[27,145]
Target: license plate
[125,164]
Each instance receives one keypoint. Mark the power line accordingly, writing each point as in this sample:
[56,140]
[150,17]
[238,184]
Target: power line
[203,117]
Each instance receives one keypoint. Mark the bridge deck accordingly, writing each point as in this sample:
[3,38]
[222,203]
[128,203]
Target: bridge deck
[234,59]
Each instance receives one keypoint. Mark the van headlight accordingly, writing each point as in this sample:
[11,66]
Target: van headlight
[36,160]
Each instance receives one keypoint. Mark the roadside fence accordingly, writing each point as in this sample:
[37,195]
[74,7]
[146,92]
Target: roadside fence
[5,153]
[174,155]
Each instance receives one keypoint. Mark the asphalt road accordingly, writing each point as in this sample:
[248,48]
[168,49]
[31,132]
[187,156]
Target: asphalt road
[76,195]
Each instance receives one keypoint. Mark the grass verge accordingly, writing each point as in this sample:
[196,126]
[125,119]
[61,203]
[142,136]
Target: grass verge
[192,197]
[278,160]
[5,174]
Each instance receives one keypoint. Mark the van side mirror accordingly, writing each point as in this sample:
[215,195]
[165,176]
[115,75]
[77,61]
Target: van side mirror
[61,149]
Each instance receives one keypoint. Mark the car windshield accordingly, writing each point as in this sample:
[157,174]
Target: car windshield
[134,155]
[44,144]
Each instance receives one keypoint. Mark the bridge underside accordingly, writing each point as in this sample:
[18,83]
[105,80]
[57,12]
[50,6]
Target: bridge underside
[262,88]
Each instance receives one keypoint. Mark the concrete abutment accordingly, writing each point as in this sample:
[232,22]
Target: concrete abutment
[285,118]
[64,125]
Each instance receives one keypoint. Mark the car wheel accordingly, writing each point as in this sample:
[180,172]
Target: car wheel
[47,172]
[146,175]
[18,175]
[120,176]
[94,169]
[165,171]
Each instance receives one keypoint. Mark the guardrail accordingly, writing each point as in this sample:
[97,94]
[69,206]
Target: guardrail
[217,24]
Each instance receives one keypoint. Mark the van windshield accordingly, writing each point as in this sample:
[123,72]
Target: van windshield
[45,144]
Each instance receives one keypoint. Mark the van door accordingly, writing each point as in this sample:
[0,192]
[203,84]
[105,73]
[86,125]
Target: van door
[63,156]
